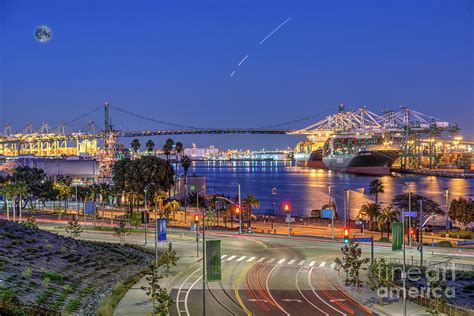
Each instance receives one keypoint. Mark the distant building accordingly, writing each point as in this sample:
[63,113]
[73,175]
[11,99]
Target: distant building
[195,185]
[199,153]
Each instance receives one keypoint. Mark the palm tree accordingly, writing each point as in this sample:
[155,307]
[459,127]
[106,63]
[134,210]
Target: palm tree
[185,163]
[372,210]
[249,203]
[179,148]
[387,215]
[150,146]
[21,189]
[171,208]
[376,186]
[135,145]
[8,192]
[159,197]
[168,148]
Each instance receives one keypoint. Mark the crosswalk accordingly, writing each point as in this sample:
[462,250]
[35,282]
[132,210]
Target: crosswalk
[296,262]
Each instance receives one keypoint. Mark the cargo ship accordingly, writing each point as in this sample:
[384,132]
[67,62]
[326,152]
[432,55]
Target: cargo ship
[360,155]
[309,154]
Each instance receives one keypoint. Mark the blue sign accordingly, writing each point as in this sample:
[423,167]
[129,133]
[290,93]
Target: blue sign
[409,214]
[89,208]
[367,239]
[326,213]
[162,229]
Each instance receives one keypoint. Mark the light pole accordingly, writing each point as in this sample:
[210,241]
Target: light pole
[409,219]
[240,207]
[348,203]
[203,254]
[332,216]
[447,210]
[145,190]
[404,276]
[274,192]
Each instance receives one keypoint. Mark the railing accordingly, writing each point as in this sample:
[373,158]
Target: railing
[433,263]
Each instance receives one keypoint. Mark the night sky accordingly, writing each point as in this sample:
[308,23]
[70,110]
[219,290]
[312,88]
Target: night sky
[172,60]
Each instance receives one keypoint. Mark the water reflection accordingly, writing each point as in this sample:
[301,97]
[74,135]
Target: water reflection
[307,189]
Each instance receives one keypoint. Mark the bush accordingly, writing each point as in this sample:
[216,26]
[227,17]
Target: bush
[72,305]
[445,243]
[462,234]
[384,239]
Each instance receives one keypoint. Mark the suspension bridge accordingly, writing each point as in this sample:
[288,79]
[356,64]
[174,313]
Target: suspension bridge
[81,134]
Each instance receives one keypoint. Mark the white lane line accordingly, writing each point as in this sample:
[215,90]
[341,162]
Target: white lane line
[291,261]
[241,258]
[301,262]
[291,300]
[251,259]
[312,263]
[314,291]
[281,261]
[187,295]
[322,264]
[261,259]
[270,293]
[257,300]
[231,258]
[305,298]
[223,256]
[181,288]
[271,260]
[333,265]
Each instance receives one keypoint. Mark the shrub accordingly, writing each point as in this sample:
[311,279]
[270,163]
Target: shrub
[445,243]
[384,239]
[72,305]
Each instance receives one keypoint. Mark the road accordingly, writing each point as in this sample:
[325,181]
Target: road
[261,275]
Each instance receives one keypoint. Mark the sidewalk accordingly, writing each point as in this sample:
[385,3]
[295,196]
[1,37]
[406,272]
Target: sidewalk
[136,302]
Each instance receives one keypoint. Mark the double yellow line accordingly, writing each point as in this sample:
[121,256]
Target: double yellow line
[236,290]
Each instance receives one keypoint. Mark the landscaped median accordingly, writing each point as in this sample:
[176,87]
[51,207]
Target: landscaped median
[44,273]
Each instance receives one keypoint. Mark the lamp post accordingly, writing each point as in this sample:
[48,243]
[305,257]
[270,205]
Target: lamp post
[203,254]
[240,206]
[332,216]
[404,276]
[447,210]
[274,192]
[145,190]
[347,208]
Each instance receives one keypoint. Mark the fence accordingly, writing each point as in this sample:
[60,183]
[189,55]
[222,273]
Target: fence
[433,263]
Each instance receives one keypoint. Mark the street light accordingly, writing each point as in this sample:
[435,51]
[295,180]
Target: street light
[346,211]
[203,253]
[332,215]
[274,192]
[240,204]
[145,190]
[447,210]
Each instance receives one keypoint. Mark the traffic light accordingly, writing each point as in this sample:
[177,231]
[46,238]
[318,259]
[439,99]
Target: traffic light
[286,207]
[196,218]
[412,231]
[237,209]
[360,220]
[346,235]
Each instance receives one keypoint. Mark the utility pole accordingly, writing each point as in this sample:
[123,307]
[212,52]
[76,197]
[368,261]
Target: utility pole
[240,207]
[447,210]
[404,273]
[421,232]
[333,213]
[409,219]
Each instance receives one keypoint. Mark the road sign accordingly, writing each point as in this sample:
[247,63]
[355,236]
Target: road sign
[410,214]
[213,260]
[367,239]
[162,229]
[89,208]
[397,236]
[327,213]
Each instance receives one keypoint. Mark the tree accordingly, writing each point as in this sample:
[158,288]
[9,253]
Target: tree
[430,207]
[171,208]
[135,145]
[73,227]
[47,192]
[159,296]
[150,146]
[185,163]
[372,210]
[387,216]
[169,257]
[462,211]
[32,177]
[8,191]
[30,223]
[376,186]
[21,190]
[380,276]
[63,191]
[437,294]
[249,203]
[351,263]
[168,148]
[121,230]
[178,150]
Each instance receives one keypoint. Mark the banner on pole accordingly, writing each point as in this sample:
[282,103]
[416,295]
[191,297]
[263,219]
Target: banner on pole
[397,236]
[89,208]
[162,229]
[213,260]
[327,213]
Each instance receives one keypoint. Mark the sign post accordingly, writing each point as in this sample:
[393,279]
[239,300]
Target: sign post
[213,260]
[368,239]
[329,213]
[162,229]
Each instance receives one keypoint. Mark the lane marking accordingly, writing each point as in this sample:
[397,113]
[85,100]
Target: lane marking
[322,264]
[314,291]
[181,288]
[223,256]
[231,258]
[237,295]
[281,261]
[338,300]
[301,262]
[301,293]
[270,294]
[257,300]
[291,261]
[251,259]
[271,260]
[333,265]
[291,300]
[312,263]
[261,259]
[241,258]
[187,296]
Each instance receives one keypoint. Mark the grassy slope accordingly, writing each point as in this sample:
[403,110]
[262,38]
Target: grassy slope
[60,273]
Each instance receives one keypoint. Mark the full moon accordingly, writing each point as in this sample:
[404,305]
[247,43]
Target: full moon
[43,34]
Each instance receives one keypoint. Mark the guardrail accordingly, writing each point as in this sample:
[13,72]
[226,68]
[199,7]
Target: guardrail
[431,263]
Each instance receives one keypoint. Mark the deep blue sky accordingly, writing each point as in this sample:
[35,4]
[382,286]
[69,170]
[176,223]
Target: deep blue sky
[172,61]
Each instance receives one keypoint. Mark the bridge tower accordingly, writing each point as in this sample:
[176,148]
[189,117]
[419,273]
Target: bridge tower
[107,156]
